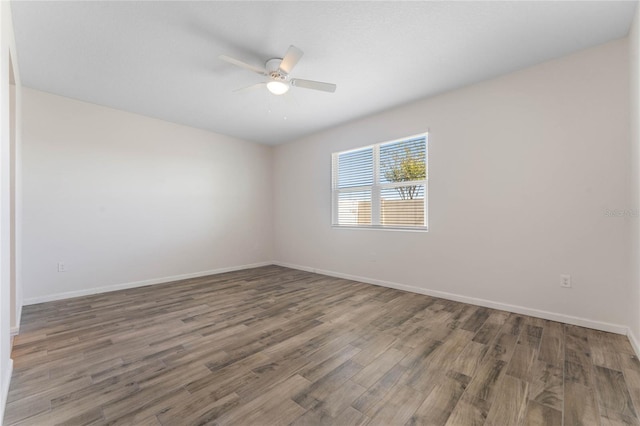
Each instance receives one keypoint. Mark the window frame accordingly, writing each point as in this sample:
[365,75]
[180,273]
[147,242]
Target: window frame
[376,188]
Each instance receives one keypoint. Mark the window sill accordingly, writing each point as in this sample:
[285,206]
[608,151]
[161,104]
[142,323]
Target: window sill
[382,228]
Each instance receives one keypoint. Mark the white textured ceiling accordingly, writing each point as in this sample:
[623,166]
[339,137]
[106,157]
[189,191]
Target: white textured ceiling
[160,58]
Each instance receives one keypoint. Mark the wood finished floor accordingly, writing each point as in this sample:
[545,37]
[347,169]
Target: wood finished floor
[275,346]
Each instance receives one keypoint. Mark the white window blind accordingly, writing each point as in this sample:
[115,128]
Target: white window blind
[382,185]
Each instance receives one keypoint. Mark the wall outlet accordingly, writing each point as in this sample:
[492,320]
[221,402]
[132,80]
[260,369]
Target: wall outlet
[61,267]
[565,280]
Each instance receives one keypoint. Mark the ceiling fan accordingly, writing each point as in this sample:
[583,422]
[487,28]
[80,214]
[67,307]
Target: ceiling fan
[277,70]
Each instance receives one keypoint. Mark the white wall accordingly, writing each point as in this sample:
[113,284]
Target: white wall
[521,168]
[634,62]
[9,196]
[121,198]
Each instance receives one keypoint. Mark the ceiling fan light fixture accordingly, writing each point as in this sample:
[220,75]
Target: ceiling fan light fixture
[278,87]
[277,71]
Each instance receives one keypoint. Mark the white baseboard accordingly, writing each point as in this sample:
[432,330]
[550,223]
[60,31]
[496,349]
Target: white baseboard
[552,316]
[124,286]
[634,342]
[5,388]
[16,329]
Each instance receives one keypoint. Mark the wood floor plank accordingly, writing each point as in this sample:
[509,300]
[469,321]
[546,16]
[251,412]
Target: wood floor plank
[398,407]
[477,320]
[429,369]
[484,384]
[541,415]
[526,351]
[606,358]
[323,387]
[279,414]
[198,409]
[368,401]
[468,412]
[502,347]
[490,328]
[631,371]
[578,373]
[613,394]
[351,417]
[378,367]
[437,407]
[470,358]
[256,407]
[22,409]
[612,418]
[577,348]
[552,344]
[514,324]
[315,372]
[476,401]
[510,403]
[275,346]
[342,398]
[580,405]
[546,387]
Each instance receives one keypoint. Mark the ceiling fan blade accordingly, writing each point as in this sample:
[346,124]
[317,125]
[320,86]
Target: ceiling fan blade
[315,85]
[290,59]
[244,65]
[249,88]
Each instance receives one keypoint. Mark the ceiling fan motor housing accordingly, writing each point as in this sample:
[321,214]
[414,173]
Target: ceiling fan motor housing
[273,67]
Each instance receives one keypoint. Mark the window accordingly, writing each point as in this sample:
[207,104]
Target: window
[382,185]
